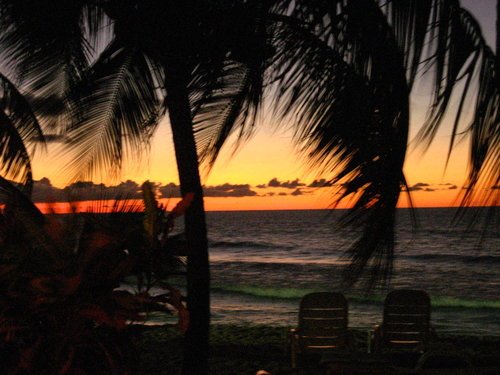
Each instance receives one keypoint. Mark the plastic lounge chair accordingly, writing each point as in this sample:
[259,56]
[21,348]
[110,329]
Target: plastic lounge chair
[406,322]
[322,325]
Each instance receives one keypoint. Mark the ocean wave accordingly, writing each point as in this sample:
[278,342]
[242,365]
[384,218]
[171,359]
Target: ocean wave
[451,302]
[279,293]
[297,294]
[249,260]
[487,259]
[247,244]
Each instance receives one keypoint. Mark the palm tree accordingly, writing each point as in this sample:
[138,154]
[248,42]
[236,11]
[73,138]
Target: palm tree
[344,71]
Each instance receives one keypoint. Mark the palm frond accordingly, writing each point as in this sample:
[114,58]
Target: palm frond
[43,40]
[46,45]
[20,133]
[409,20]
[228,84]
[484,159]
[230,104]
[344,85]
[457,52]
[116,108]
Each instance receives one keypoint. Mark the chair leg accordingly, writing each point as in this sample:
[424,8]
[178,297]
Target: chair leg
[293,345]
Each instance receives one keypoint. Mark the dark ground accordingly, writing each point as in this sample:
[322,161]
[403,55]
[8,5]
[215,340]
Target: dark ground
[242,350]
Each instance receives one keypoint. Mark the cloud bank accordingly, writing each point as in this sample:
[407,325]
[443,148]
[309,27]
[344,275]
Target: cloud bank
[44,191]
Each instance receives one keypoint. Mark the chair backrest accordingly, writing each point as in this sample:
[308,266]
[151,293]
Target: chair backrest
[322,321]
[406,323]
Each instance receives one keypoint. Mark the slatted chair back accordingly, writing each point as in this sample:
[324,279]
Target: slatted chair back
[323,322]
[406,322]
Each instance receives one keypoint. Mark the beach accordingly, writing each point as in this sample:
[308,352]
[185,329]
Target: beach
[245,349]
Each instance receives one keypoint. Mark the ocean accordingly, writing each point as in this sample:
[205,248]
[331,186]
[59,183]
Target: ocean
[263,262]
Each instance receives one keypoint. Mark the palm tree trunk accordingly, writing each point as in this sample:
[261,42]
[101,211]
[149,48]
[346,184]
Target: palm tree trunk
[198,274]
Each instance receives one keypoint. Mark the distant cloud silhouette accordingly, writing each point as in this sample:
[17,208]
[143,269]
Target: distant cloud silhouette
[286,184]
[423,186]
[170,190]
[224,190]
[229,190]
[320,183]
[44,191]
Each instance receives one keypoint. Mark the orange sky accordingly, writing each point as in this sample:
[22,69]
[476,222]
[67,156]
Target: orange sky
[270,154]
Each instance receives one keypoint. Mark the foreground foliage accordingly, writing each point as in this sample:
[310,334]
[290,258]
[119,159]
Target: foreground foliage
[62,307]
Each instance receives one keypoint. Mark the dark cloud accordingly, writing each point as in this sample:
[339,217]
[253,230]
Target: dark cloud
[44,191]
[414,188]
[320,183]
[229,190]
[274,183]
[170,190]
[224,190]
[285,184]
[423,186]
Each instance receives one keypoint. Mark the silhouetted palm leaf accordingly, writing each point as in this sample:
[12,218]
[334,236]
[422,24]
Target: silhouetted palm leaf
[20,132]
[231,104]
[48,45]
[116,107]
[227,88]
[343,84]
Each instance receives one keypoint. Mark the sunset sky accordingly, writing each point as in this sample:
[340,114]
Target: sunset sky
[269,158]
